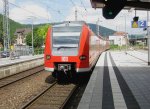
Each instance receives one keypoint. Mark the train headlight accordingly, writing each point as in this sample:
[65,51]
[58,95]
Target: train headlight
[82,57]
[48,57]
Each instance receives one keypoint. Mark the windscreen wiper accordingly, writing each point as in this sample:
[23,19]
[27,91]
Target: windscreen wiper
[64,47]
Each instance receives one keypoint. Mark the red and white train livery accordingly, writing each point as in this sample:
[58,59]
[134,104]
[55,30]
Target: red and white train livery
[71,47]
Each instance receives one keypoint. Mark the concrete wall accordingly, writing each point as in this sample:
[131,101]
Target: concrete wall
[118,40]
[19,67]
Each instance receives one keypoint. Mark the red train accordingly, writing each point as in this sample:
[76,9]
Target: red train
[71,47]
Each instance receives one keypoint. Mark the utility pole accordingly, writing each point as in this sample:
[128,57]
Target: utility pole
[32,40]
[126,34]
[148,37]
[76,14]
[125,23]
[6,33]
[97,23]
[32,18]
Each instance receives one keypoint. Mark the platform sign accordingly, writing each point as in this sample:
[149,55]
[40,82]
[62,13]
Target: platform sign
[142,24]
[139,24]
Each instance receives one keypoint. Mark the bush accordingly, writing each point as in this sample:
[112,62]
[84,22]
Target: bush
[38,51]
[113,47]
[116,47]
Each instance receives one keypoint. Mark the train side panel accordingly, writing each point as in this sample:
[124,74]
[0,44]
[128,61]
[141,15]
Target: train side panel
[95,49]
[83,65]
[47,52]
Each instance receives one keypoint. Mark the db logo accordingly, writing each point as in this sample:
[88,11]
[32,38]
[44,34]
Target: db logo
[65,59]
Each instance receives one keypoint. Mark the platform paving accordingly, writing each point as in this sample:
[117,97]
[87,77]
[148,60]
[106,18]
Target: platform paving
[92,97]
[119,81]
[119,102]
[140,54]
[8,61]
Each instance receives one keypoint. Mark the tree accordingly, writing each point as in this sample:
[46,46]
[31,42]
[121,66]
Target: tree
[1,32]
[39,34]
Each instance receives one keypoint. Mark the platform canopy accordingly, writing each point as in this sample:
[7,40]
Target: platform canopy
[138,4]
[112,7]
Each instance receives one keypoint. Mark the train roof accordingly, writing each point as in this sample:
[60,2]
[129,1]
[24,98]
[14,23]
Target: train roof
[70,23]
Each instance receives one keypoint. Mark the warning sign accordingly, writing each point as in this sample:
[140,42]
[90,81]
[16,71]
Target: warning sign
[135,24]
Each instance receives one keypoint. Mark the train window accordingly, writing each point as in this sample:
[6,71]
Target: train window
[66,39]
[66,36]
[67,29]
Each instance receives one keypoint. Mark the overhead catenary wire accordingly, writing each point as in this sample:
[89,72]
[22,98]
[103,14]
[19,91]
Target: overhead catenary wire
[48,15]
[54,2]
[73,3]
[56,11]
[83,6]
[76,10]
[51,9]
[35,15]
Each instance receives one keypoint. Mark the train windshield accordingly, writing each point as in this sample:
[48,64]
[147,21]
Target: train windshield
[66,38]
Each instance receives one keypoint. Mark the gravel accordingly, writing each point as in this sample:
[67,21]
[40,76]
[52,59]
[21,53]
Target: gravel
[17,94]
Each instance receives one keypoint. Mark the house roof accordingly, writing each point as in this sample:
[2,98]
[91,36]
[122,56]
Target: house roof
[24,31]
[119,33]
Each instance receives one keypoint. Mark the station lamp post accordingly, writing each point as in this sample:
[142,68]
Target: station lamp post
[125,30]
[98,25]
[32,35]
[148,36]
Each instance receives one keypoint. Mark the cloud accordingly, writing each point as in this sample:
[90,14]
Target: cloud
[1,4]
[123,19]
[29,9]
[89,16]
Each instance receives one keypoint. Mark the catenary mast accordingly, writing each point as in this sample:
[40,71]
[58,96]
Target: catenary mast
[6,33]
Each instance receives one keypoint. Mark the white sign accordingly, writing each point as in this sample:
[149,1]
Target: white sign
[65,59]
[148,23]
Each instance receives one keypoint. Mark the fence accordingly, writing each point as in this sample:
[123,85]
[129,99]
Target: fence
[20,50]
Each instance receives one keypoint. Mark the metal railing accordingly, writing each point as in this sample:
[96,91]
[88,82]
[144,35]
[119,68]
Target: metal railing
[20,51]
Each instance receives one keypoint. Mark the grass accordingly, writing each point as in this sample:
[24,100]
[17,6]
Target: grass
[38,51]
[135,47]
[116,47]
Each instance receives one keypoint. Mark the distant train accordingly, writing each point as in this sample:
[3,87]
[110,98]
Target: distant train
[72,48]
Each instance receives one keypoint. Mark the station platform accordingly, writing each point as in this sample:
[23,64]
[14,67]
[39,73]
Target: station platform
[119,81]
[140,54]
[10,67]
[8,61]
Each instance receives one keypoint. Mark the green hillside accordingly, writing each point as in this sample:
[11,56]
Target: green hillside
[105,32]
[13,26]
[41,27]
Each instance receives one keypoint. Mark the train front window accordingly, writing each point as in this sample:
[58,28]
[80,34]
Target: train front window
[66,38]
[69,41]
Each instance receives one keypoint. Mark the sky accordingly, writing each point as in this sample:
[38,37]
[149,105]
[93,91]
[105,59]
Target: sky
[47,11]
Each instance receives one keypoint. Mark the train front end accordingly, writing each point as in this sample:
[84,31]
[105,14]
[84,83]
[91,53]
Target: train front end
[67,49]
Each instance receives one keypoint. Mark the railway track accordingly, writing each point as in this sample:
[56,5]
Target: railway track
[54,97]
[19,76]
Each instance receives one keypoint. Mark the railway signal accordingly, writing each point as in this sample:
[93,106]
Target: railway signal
[111,8]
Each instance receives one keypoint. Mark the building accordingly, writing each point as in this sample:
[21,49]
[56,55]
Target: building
[21,36]
[138,39]
[119,38]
